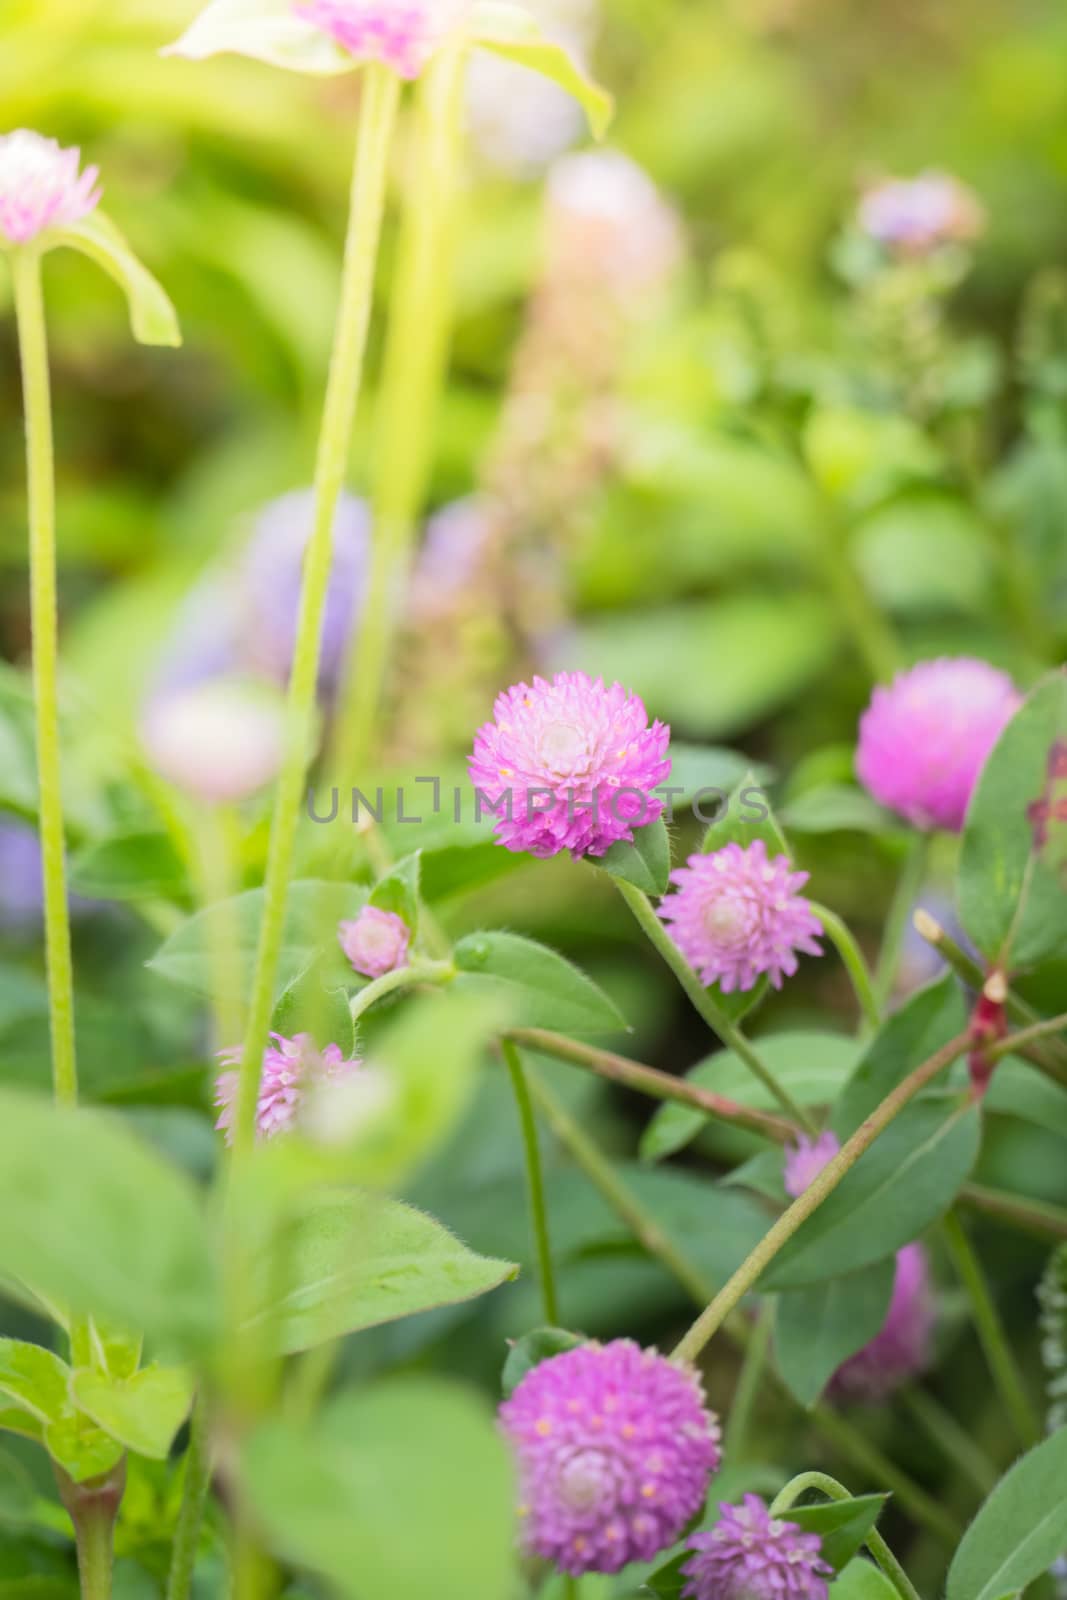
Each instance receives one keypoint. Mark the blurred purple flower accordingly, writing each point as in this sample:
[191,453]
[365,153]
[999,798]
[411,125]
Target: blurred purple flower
[20,876]
[915,215]
[750,1555]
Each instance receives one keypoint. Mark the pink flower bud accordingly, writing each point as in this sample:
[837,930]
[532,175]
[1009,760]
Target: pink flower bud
[41,186]
[376,941]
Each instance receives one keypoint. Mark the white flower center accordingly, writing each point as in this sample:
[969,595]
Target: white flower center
[726,921]
[585,1480]
[27,162]
[562,746]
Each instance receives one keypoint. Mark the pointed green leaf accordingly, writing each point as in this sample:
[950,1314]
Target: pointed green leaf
[862,1580]
[36,1384]
[152,316]
[842,1525]
[398,891]
[817,1329]
[512,32]
[529,1351]
[646,863]
[143,1412]
[1020,1530]
[544,990]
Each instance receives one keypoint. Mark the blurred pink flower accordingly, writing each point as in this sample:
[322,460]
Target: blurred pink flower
[569,765]
[737,915]
[924,739]
[219,741]
[615,1450]
[750,1555]
[376,941]
[292,1068]
[914,215]
[403,34]
[805,1159]
[41,186]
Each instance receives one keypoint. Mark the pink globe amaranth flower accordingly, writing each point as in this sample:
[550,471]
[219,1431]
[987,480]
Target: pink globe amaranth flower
[615,1450]
[902,1348]
[750,1555]
[375,942]
[569,765]
[403,34]
[924,739]
[41,186]
[805,1159]
[915,215]
[738,914]
[292,1068]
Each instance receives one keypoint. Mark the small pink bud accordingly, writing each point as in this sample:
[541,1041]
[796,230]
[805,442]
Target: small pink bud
[376,941]
[41,186]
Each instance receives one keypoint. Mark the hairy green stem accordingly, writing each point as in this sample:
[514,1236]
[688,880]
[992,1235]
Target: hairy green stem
[844,942]
[191,1511]
[701,1000]
[414,365]
[40,468]
[377,118]
[753,1267]
[654,1083]
[749,1383]
[875,1543]
[535,1182]
[909,884]
[991,1334]
[93,1507]
[851,1441]
[430,972]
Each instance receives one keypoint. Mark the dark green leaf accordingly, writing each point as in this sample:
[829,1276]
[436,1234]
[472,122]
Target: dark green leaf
[842,1525]
[544,990]
[862,1580]
[926,1021]
[646,863]
[817,1329]
[529,1351]
[1020,1530]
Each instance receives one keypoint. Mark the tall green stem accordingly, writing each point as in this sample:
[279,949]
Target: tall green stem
[752,1268]
[717,1020]
[841,937]
[908,886]
[873,638]
[37,403]
[93,1507]
[376,122]
[194,1493]
[874,1541]
[749,1384]
[535,1182]
[990,1329]
[415,358]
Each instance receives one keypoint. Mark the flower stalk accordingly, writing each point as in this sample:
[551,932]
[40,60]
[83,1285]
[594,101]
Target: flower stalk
[535,1182]
[875,1543]
[378,108]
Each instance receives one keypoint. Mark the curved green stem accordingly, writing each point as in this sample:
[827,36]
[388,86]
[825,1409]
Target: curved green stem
[434,972]
[414,364]
[37,404]
[190,1514]
[752,1268]
[909,884]
[991,1334]
[535,1182]
[1048,1028]
[700,998]
[844,942]
[874,1541]
[377,117]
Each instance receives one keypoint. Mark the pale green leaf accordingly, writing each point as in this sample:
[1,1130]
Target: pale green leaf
[152,316]
[143,1411]
[514,33]
[266,30]
[1019,1531]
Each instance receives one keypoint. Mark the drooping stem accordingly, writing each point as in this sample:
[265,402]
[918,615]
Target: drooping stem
[415,358]
[850,1440]
[843,940]
[752,1268]
[908,886]
[535,1182]
[753,1368]
[40,466]
[991,1334]
[190,1514]
[700,998]
[651,1081]
[377,118]
[874,1541]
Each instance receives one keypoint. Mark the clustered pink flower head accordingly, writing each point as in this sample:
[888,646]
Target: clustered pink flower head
[902,1348]
[403,34]
[375,942]
[738,914]
[615,1450]
[41,186]
[924,740]
[569,765]
[915,215]
[292,1068]
[750,1555]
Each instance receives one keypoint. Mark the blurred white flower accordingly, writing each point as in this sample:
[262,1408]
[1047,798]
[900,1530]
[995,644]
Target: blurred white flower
[519,120]
[608,222]
[219,741]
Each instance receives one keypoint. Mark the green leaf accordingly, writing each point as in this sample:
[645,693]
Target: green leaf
[817,1329]
[811,1066]
[36,1384]
[398,891]
[152,316]
[837,808]
[1013,858]
[191,956]
[404,1490]
[514,33]
[927,1020]
[842,1525]
[144,1411]
[529,1351]
[106,1227]
[907,1179]
[862,1580]
[131,866]
[1019,1531]
[710,770]
[318,1002]
[356,1260]
[646,863]
[266,30]
[544,990]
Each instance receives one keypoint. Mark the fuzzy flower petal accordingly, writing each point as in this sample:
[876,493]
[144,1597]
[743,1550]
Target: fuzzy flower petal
[41,186]
[737,915]
[750,1555]
[615,1450]
[924,740]
[569,765]
[291,1069]
[376,941]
